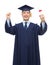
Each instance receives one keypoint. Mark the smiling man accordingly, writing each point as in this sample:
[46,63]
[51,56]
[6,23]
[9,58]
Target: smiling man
[26,48]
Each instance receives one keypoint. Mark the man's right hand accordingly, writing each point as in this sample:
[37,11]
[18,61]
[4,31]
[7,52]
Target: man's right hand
[8,15]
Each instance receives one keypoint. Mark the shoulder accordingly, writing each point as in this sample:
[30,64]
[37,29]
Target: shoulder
[35,24]
[18,24]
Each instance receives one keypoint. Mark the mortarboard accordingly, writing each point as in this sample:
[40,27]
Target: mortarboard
[25,8]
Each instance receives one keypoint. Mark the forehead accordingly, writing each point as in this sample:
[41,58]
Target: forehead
[26,11]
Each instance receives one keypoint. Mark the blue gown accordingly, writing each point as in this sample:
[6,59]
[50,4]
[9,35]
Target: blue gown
[26,48]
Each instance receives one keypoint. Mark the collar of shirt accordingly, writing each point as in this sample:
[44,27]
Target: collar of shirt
[28,23]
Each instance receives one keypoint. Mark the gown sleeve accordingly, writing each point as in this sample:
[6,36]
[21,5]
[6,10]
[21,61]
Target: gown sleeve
[42,28]
[9,28]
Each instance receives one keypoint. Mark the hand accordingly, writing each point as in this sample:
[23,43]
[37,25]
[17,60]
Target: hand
[8,15]
[42,18]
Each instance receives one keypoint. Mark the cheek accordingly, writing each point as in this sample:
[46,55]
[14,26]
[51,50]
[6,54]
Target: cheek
[29,15]
[23,15]
[26,15]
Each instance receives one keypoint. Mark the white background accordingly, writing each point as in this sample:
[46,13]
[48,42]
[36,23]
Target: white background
[7,40]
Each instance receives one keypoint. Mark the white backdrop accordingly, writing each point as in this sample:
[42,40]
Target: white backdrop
[7,40]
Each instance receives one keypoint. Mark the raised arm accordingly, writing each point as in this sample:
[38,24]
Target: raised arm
[8,26]
[43,25]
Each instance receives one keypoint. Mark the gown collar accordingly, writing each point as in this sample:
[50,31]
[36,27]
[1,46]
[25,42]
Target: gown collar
[28,23]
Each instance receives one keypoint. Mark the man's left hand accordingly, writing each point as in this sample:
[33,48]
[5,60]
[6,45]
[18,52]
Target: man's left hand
[42,17]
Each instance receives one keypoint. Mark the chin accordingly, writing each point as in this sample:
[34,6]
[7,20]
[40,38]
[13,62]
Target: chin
[26,19]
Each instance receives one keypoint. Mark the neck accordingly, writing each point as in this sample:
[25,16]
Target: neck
[26,20]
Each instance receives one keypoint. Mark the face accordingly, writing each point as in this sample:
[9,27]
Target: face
[26,15]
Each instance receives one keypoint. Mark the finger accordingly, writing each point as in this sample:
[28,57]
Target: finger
[8,14]
[41,16]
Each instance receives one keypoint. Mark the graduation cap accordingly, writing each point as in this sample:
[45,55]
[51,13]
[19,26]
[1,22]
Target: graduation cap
[25,8]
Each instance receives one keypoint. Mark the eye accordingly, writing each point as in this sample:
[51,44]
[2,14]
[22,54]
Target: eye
[23,12]
[27,12]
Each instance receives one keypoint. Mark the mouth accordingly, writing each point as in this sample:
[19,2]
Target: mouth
[25,16]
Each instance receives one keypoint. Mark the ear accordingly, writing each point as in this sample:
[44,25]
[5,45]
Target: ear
[30,14]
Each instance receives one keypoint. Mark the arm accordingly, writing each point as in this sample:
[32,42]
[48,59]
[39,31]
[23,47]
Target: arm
[9,28]
[43,25]
[42,28]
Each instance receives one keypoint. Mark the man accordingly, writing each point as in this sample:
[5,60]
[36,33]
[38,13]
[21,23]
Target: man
[26,49]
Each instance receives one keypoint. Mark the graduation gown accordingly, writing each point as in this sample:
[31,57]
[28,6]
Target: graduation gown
[26,48]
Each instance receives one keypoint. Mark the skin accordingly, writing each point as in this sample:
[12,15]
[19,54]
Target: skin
[42,18]
[26,16]
[8,15]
